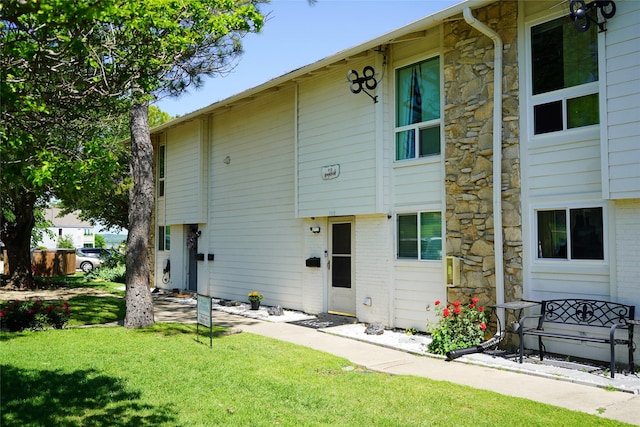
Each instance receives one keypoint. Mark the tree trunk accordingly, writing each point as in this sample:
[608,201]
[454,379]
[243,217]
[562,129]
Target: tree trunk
[16,236]
[139,302]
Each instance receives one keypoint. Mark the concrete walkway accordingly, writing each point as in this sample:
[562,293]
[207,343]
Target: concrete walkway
[592,400]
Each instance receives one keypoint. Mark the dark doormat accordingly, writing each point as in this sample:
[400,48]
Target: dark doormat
[325,320]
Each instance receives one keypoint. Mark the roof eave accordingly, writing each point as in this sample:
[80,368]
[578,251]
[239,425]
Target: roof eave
[421,24]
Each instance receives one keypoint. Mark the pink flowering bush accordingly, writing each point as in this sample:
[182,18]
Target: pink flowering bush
[17,315]
[460,326]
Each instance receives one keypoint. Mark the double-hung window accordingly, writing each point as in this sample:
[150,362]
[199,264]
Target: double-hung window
[570,234]
[564,69]
[417,128]
[164,238]
[420,236]
[162,160]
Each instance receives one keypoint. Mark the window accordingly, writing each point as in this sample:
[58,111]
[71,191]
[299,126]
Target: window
[564,64]
[164,238]
[162,159]
[420,241]
[418,110]
[570,234]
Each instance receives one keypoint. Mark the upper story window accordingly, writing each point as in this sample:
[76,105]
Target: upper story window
[162,160]
[418,109]
[571,233]
[564,69]
[420,236]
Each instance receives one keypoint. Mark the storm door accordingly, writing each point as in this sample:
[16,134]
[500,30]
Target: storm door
[192,264]
[342,294]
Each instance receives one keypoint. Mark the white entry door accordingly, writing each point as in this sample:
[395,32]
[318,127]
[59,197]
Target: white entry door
[342,293]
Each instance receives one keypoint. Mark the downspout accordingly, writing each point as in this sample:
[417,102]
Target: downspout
[497,155]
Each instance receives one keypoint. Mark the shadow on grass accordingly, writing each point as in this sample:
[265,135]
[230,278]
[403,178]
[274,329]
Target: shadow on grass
[79,280]
[83,397]
[170,329]
[92,310]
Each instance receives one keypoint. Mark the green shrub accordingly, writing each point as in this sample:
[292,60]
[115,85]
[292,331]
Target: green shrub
[17,315]
[112,268]
[460,326]
[108,274]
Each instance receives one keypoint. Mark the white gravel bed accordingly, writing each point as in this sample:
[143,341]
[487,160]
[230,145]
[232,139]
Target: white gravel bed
[244,309]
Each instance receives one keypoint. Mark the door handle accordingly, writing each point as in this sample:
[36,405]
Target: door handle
[328,264]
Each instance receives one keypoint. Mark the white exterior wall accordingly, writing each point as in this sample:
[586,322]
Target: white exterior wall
[622,152]
[627,236]
[559,170]
[585,167]
[565,165]
[314,279]
[417,185]
[184,177]
[373,265]
[252,230]
[76,234]
[336,127]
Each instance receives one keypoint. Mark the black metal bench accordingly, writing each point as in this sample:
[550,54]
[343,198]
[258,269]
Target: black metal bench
[583,312]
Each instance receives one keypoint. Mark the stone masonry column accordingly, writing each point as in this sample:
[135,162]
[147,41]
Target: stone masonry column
[468,84]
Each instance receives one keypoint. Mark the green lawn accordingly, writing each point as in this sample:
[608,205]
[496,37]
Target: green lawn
[165,376]
[162,376]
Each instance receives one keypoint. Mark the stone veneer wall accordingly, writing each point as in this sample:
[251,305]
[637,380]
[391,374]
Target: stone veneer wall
[468,82]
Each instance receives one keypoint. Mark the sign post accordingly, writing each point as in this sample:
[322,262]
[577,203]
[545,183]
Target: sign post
[204,317]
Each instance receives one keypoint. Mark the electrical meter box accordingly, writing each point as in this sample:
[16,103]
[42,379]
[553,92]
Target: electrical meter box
[453,271]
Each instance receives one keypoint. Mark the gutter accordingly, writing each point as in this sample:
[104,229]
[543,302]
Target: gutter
[497,156]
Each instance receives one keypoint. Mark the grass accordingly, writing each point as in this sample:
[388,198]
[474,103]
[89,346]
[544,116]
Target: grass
[162,376]
[165,376]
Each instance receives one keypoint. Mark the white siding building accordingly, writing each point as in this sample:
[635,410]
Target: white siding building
[326,201]
[69,226]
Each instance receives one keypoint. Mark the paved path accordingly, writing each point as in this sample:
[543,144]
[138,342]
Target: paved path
[592,400]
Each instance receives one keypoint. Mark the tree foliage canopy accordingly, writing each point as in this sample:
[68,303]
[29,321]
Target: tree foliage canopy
[69,69]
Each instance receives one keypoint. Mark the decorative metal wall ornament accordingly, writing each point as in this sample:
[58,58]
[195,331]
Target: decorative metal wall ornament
[580,12]
[368,81]
[192,239]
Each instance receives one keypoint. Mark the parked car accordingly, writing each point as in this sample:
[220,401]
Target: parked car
[89,258]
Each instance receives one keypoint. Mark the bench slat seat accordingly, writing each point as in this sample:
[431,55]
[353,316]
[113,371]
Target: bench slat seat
[582,312]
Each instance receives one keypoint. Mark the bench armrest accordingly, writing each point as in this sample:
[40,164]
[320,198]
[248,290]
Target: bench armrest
[612,331]
[530,316]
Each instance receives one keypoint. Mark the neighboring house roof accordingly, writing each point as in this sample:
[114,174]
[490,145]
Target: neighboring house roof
[66,221]
[404,33]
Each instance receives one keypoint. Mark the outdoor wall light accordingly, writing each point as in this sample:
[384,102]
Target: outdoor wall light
[315,230]
[227,160]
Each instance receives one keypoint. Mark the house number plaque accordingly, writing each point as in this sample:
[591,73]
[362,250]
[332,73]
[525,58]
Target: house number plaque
[330,172]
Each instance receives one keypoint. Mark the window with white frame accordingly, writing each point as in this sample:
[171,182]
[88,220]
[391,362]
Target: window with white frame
[162,159]
[417,128]
[164,238]
[570,234]
[420,236]
[564,70]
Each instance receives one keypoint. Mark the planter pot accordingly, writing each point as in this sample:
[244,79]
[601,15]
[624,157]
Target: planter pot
[255,305]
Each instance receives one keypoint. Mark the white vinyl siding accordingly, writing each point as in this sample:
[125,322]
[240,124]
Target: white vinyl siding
[565,166]
[336,127]
[256,240]
[184,175]
[627,219]
[561,169]
[417,286]
[373,262]
[623,102]
[426,176]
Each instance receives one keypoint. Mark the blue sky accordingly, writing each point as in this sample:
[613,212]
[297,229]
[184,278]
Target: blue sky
[297,34]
